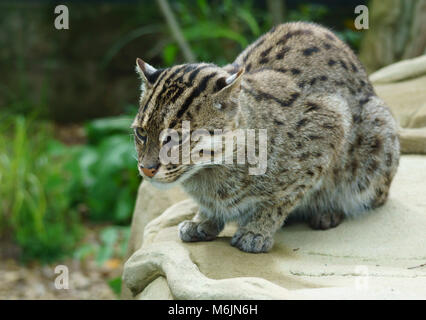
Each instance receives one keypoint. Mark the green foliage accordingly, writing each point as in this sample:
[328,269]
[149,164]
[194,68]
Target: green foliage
[105,173]
[113,244]
[353,38]
[115,285]
[308,12]
[169,53]
[232,25]
[35,205]
[99,129]
[43,183]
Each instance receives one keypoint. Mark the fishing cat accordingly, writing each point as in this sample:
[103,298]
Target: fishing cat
[332,144]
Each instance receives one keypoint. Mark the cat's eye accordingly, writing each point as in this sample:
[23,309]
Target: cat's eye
[141,134]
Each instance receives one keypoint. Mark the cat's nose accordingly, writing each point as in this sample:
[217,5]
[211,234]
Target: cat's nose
[150,171]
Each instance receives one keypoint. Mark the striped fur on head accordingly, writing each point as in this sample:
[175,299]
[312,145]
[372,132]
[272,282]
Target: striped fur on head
[199,93]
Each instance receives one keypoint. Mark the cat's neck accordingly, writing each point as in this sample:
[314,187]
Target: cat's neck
[204,178]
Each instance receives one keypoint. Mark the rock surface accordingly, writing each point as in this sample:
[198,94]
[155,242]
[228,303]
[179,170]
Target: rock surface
[403,87]
[150,203]
[380,255]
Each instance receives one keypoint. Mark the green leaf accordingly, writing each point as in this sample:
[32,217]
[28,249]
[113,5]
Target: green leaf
[207,31]
[84,251]
[250,20]
[115,285]
[102,128]
[169,54]
[108,237]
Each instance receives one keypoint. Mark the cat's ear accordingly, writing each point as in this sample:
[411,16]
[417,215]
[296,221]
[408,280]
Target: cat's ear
[229,88]
[145,71]
[231,83]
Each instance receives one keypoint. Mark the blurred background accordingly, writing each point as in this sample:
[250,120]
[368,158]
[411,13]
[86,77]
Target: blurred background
[68,176]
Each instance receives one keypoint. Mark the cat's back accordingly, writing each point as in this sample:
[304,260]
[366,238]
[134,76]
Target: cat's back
[313,56]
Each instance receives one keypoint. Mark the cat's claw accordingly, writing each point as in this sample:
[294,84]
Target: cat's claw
[249,241]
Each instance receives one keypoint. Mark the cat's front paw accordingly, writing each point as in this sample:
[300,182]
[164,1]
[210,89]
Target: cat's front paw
[191,231]
[252,242]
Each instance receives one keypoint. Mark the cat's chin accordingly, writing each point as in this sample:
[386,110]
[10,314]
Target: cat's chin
[168,185]
[163,185]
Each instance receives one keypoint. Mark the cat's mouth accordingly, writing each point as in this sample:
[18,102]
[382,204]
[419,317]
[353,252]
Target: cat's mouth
[165,179]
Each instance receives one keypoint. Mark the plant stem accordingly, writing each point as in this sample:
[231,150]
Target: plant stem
[176,31]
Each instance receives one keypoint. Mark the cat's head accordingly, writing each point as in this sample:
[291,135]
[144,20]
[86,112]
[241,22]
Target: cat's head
[202,95]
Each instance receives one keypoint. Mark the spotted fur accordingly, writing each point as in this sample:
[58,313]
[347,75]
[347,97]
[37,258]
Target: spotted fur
[333,147]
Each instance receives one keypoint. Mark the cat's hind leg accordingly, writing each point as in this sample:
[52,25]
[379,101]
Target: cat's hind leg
[317,219]
[321,208]
[326,220]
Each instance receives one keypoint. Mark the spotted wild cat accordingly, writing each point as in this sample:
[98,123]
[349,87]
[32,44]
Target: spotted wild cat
[332,144]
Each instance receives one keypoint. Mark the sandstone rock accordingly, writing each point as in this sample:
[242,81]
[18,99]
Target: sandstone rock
[378,256]
[403,87]
[402,70]
[150,203]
